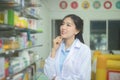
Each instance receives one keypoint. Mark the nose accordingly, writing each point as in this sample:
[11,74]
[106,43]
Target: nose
[63,26]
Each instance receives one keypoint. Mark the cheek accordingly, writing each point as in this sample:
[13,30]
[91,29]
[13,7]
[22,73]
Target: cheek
[72,31]
[60,28]
[60,31]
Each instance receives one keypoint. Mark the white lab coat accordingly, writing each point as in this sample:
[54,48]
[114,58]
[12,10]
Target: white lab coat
[77,65]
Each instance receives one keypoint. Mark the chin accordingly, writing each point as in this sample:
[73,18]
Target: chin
[62,36]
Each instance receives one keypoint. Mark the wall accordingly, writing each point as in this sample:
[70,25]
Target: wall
[86,14]
[44,37]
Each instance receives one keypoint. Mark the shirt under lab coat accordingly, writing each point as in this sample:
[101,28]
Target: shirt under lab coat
[77,65]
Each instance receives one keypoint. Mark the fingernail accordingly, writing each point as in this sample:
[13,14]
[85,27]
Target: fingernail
[60,37]
[57,42]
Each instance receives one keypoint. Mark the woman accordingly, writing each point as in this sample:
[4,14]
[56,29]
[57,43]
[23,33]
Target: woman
[70,58]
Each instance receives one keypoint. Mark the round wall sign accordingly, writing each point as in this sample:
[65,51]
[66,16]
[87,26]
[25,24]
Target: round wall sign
[63,5]
[107,4]
[85,4]
[96,4]
[74,5]
[118,4]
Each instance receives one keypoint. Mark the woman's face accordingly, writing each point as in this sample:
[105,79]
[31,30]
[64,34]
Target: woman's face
[68,29]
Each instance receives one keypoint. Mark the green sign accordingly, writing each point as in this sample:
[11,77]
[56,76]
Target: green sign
[118,4]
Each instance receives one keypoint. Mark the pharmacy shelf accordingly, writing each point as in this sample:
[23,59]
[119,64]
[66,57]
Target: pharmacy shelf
[32,5]
[30,47]
[15,30]
[9,4]
[27,30]
[23,69]
[31,16]
[28,3]
[10,52]
[7,27]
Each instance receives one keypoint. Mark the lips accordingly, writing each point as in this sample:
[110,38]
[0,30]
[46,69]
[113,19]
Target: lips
[63,32]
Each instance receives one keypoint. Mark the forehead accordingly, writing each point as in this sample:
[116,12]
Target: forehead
[68,19]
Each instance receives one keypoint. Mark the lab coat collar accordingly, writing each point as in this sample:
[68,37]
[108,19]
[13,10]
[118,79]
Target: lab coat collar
[77,43]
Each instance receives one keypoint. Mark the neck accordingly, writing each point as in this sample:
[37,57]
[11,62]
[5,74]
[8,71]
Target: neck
[68,42]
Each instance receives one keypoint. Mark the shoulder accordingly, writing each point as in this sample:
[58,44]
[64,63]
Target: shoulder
[82,47]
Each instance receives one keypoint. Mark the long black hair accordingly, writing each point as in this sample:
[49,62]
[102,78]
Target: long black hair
[79,25]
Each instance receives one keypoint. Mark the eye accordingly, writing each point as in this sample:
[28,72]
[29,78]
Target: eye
[62,23]
[68,25]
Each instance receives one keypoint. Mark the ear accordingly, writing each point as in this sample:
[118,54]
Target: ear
[77,31]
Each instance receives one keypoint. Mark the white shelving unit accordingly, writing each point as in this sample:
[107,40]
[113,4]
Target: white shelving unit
[11,54]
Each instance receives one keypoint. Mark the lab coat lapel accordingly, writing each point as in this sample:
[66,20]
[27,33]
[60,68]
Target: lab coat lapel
[73,51]
[72,54]
[68,63]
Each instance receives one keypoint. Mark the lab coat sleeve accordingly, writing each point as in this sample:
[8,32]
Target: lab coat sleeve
[86,66]
[49,68]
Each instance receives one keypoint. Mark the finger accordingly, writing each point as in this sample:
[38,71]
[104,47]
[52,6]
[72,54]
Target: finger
[60,37]
[57,42]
